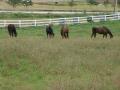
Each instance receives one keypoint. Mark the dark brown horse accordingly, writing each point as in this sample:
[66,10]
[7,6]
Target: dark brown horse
[101,30]
[12,30]
[49,31]
[64,31]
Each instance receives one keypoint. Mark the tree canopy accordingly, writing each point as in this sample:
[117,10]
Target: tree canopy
[14,3]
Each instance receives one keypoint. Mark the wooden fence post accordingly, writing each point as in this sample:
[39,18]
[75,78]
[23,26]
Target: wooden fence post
[4,23]
[35,23]
[20,23]
[105,17]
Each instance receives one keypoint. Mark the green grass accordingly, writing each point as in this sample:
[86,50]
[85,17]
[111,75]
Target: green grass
[22,16]
[25,16]
[33,62]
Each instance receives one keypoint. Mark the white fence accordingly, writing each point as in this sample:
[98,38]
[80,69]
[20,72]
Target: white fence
[72,20]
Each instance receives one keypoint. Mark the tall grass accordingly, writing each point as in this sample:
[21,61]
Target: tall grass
[32,62]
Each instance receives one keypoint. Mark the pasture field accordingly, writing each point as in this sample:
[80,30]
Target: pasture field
[33,62]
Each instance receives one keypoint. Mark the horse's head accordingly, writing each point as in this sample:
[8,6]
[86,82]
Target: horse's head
[109,32]
[111,36]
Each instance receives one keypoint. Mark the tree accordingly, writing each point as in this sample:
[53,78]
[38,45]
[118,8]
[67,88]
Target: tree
[14,2]
[94,2]
[26,2]
[71,3]
[115,5]
[106,2]
[119,2]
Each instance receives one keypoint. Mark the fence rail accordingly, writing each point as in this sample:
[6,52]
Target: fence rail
[72,20]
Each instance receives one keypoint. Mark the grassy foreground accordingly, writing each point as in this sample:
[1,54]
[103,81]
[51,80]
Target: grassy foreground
[32,62]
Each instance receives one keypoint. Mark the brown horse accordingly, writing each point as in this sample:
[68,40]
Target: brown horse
[12,30]
[49,31]
[101,30]
[64,31]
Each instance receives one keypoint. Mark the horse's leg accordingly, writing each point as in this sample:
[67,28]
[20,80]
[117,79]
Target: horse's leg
[92,35]
[106,35]
[12,33]
[103,35]
[15,33]
[63,35]
[67,35]
[47,35]
[53,34]
[9,33]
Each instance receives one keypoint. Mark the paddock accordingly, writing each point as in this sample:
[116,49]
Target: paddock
[33,62]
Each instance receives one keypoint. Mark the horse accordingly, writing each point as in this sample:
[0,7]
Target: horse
[49,31]
[12,30]
[64,31]
[101,30]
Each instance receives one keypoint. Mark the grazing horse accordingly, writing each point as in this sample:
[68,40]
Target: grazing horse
[64,31]
[101,30]
[49,31]
[12,30]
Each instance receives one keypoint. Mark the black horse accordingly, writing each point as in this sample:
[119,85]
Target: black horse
[49,31]
[12,30]
[64,32]
[101,30]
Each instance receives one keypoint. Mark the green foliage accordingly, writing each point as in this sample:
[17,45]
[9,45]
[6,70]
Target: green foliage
[27,2]
[119,2]
[14,2]
[71,3]
[94,2]
[89,19]
[106,2]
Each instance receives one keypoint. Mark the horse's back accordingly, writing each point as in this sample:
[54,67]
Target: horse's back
[99,30]
[11,27]
[12,30]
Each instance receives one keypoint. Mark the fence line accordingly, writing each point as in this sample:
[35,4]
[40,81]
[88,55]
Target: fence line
[71,20]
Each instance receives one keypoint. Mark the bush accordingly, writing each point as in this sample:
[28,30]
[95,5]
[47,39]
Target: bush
[94,2]
[89,19]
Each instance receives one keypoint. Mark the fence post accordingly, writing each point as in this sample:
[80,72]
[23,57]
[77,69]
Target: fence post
[4,23]
[92,18]
[35,23]
[118,16]
[105,17]
[19,23]
[78,19]
[50,21]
